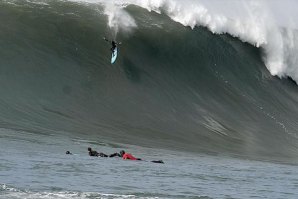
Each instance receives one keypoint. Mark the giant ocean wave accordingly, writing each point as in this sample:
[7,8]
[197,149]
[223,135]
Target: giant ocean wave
[172,86]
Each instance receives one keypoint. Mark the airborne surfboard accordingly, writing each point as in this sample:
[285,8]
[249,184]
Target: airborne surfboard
[114,56]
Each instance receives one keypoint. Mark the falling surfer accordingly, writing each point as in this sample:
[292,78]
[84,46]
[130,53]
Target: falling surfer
[113,49]
[113,43]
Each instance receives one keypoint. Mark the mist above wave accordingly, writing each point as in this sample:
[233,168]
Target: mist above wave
[271,25]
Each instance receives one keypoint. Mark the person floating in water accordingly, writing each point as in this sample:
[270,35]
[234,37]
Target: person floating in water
[123,154]
[95,153]
[128,156]
[113,43]
[68,153]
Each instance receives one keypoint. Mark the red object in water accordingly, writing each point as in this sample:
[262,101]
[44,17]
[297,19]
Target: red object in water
[128,156]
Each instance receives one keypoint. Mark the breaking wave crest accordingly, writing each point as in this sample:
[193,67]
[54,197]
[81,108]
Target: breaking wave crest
[172,86]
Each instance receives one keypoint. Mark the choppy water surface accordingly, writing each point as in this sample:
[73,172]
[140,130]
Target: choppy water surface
[36,166]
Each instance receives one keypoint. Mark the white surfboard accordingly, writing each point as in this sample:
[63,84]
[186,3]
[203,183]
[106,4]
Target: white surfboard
[114,56]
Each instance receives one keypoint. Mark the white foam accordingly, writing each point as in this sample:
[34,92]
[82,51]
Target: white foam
[119,19]
[11,192]
[259,22]
[271,25]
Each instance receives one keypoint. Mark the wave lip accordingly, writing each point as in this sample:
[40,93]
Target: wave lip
[260,23]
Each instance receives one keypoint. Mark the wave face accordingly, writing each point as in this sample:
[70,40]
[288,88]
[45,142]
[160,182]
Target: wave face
[171,87]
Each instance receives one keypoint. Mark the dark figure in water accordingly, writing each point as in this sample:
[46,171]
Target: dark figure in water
[68,153]
[95,153]
[157,161]
[115,155]
[113,43]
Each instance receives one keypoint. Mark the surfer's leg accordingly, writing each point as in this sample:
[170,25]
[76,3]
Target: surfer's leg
[114,155]
[157,161]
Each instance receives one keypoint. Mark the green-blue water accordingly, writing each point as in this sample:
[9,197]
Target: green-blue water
[36,166]
[174,93]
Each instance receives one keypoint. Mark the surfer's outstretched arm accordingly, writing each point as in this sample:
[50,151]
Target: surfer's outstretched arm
[106,39]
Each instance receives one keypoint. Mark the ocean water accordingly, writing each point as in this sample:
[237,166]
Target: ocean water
[209,87]
[36,166]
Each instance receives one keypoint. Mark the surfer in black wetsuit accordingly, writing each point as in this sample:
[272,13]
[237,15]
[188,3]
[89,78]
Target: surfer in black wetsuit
[115,155]
[95,153]
[113,43]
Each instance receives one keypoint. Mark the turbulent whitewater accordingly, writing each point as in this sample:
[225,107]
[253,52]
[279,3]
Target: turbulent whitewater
[189,76]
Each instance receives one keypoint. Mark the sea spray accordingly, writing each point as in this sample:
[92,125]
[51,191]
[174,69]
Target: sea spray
[268,25]
[119,20]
